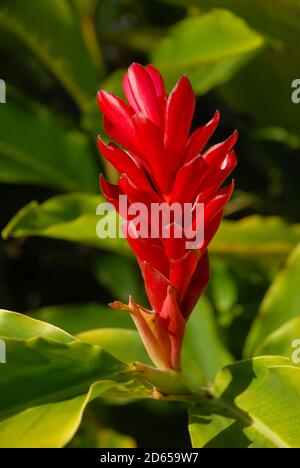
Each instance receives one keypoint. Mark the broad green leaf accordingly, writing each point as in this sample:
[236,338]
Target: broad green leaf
[256,404]
[256,235]
[70,217]
[275,18]
[34,149]
[280,305]
[52,366]
[22,327]
[77,318]
[203,351]
[40,371]
[48,367]
[125,345]
[249,91]
[208,48]
[53,35]
[285,341]
[47,426]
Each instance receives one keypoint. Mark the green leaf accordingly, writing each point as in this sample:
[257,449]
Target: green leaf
[207,48]
[275,18]
[280,305]
[123,344]
[256,404]
[47,426]
[77,318]
[249,91]
[69,217]
[53,35]
[22,327]
[282,341]
[203,352]
[34,149]
[48,369]
[256,235]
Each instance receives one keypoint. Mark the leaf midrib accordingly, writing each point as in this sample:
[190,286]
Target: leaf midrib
[40,168]
[54,66]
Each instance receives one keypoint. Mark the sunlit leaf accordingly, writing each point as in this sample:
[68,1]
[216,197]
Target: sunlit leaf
[48,366]
[285,341]
[70,217]
[77,318]
[280,305]
[208,48]
[125,345]
[256,405]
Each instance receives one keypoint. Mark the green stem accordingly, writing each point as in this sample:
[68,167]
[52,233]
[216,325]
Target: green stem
[91,41]
[170,385]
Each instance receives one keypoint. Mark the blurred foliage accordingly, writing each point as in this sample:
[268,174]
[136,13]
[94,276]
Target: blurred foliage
[242,57]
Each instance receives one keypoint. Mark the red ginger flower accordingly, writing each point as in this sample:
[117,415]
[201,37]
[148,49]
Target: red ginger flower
[162,162]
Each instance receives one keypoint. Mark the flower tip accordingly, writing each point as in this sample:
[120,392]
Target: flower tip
[101,145]
[101,95]
[104,185]
[134,67]
[234,137]
[217,116]
[184,80]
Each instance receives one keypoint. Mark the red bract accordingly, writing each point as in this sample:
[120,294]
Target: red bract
[161,162]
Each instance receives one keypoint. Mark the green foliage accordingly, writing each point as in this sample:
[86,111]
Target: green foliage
[63,54]
[208,48]
[66,164]
[79,318]
[234,418]
[69,217]
[280,305]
